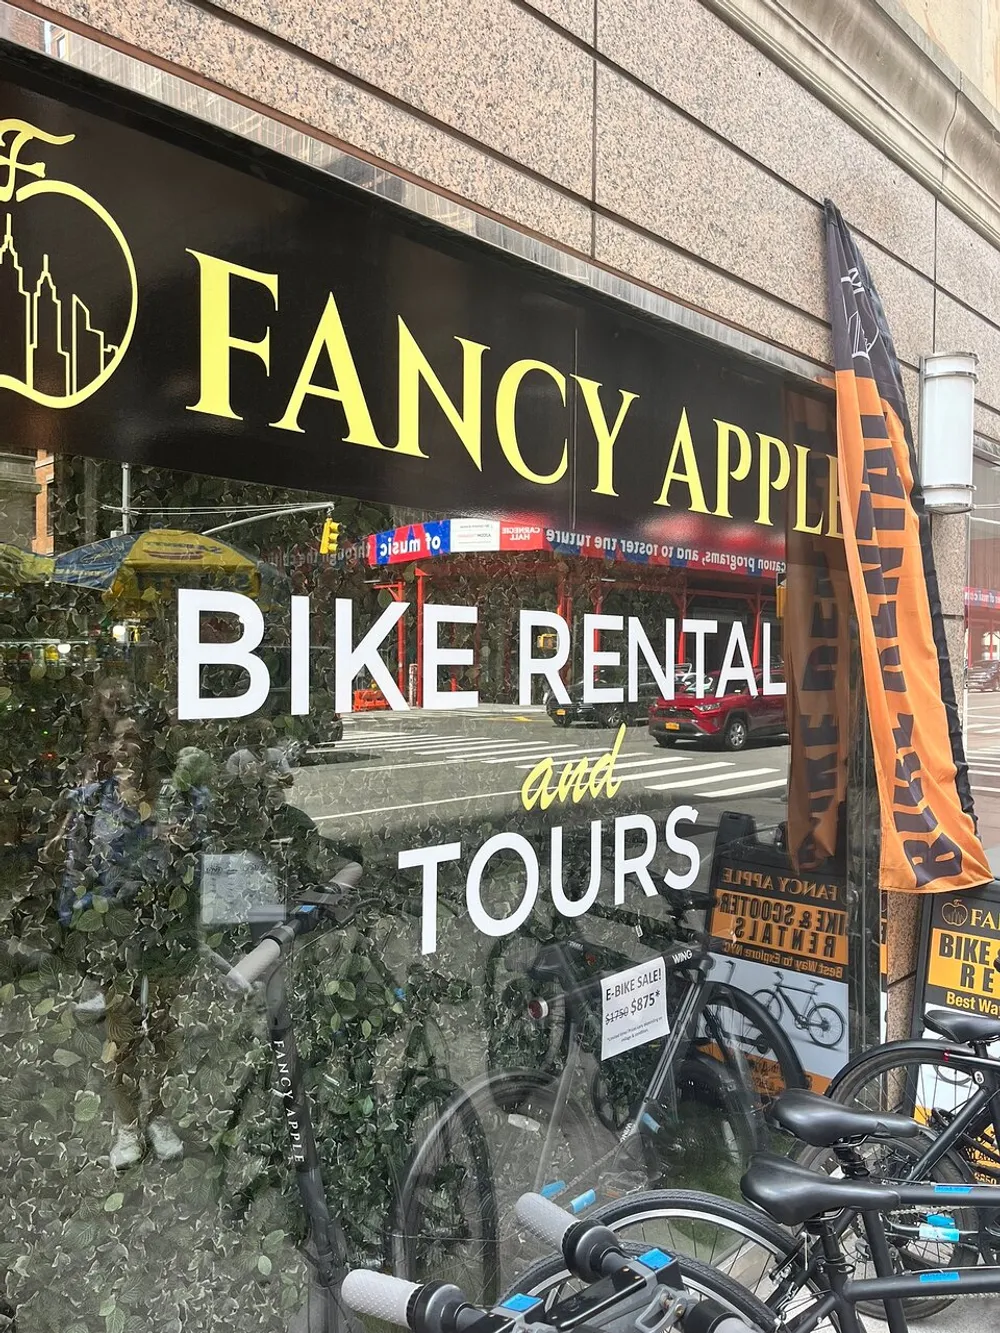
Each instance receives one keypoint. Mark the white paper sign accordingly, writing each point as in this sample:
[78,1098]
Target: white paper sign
[634,1008]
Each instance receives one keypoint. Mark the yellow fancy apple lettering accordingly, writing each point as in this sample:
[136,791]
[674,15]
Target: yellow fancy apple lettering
[331,339]
[683,467]
[414,368]
[833,490]
[217,339]
[739,472]
[802,493]
[507,391]
[771,482]
[606,438]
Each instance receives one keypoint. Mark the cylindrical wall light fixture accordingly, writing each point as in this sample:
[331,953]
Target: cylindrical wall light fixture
[947,409]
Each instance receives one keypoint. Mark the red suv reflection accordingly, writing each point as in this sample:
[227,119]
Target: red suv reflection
[731,719]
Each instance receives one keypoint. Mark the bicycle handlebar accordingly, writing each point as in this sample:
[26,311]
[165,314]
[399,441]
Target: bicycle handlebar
[379,1295]
[254,965]
[264,957]
[544,1219]
[591,1252]
[643,1291]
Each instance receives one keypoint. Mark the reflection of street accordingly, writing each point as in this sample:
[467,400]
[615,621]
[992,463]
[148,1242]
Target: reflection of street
[391,767]
[983,753]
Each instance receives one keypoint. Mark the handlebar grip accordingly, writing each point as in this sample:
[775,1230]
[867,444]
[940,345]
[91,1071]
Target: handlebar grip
[709,1316]
[544,1219]
[252,966]
[379,1295]
[348,876]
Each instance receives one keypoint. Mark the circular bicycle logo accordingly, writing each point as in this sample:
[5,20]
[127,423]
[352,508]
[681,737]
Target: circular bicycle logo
[52,347]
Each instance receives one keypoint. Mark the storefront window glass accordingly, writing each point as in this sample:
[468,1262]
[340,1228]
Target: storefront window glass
[392,597]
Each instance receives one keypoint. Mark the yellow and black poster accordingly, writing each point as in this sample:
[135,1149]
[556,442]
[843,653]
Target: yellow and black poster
[963,950]
[782,937]
[958,966]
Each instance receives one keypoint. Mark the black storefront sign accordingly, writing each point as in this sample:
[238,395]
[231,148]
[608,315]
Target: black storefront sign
[205,311]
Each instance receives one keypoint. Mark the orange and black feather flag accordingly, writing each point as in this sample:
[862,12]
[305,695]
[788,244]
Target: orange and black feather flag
[929,841]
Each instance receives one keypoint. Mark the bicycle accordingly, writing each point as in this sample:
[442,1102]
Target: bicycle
[325,1246]
[822,1023]
[640,1124]
[519,1031]
[777,1265]
[952,1087]
[623,1290]
[794,1195]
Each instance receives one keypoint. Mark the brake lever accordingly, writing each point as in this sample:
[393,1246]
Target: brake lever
[337,904]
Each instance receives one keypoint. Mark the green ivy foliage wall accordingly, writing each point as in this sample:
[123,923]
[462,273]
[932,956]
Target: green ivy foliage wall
[213,1241]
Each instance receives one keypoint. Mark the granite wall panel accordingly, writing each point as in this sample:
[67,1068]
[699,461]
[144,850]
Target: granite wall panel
[658,170]
[664,268]
[488,68]
[690,56]
[255,67]
[491,102]
[961,330]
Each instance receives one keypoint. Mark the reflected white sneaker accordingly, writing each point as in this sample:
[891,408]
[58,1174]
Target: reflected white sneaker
[91,1010]
[127,1148]
[163,1140]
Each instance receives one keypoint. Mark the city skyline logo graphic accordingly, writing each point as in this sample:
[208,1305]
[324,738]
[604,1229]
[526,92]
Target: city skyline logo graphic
[52,350]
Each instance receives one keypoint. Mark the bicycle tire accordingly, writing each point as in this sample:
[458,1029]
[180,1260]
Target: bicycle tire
[511,1112]
[513,1040]
[891,1079]
[836,1026]
[729,1236]
[773,1045]
[704,1105]
[712,1084]
[550,1278]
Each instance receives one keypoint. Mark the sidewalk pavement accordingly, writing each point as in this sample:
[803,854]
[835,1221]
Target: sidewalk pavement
[969,1314]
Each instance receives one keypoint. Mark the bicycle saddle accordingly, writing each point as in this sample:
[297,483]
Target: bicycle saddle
[823,1123]
[551,963]
[964,1028]
[793,1194]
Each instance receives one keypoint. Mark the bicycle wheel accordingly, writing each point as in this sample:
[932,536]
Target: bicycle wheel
[708,1125]
[733,1238]
[444,1212]
[826,1025]
[766,1046]
[771,1001]
[454,1217]
[717,1110]
[550,1279]
[906,1078]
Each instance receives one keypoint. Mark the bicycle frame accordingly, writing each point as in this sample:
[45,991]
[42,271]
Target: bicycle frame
[891,1288]
[326,1240]
[783,989]
[844,1298]
[659,1087]
[985,1073]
